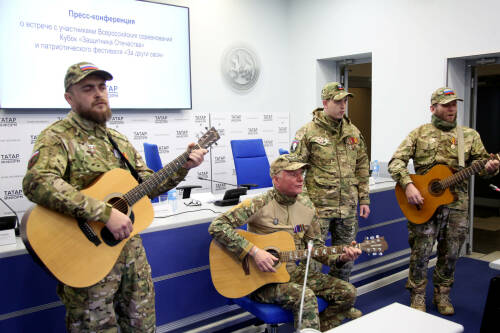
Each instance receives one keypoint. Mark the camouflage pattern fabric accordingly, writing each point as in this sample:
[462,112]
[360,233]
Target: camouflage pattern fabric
[345,231]
[271,212]
[339,294]
[436,143]
[428,145]
[337,178]
[127,289]
[68,156]
[449,228]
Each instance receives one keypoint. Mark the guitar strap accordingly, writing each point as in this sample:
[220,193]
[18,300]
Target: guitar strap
[124,159]
[460,135]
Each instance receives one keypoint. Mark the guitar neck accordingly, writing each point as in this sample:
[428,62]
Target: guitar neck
[463,174]
[287,256]
[153,182]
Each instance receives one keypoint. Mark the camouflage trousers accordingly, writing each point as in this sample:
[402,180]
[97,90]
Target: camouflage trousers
[124,298]
[449,228]
[339,294]
[343,232]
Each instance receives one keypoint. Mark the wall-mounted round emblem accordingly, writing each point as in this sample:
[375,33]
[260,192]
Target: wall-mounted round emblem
[240,68]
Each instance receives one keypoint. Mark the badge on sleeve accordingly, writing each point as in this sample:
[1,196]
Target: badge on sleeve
[294,146]
[33,159]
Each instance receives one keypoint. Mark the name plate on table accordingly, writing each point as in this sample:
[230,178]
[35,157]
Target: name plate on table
[7,237]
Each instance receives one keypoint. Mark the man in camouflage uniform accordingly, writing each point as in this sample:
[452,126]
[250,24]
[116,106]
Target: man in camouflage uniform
[283,208]
[68,156]
[338,177]
[428,145]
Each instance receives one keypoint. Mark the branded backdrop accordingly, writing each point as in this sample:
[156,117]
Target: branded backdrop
[172,131]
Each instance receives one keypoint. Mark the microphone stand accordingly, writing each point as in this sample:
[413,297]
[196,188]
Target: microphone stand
[305,330]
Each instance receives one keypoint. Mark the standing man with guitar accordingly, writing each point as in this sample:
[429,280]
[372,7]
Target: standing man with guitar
[440,142]
[284,209]
[68,156]
[338,177]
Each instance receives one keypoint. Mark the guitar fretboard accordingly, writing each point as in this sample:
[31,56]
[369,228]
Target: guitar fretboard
[463,174]
[152,182]
[288,256]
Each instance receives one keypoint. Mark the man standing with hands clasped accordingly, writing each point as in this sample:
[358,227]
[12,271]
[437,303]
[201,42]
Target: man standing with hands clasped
[440,142]
[337,179]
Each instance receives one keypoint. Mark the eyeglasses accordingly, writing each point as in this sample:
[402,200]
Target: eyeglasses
[193,203]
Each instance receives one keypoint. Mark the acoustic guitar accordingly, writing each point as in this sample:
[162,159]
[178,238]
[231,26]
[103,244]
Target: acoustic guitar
[80,253]
[231,280]
[434,188]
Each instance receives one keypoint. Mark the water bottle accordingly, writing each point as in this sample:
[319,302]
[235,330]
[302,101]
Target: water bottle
[375,169]
[172,200]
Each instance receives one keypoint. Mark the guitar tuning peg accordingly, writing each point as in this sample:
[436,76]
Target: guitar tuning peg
[366,237]
[377,236]
[371,237]
[380,253]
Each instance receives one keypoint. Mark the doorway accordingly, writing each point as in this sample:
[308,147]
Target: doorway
[486,93]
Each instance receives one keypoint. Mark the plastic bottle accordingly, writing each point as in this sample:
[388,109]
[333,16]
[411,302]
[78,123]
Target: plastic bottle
[375,169]
[172,199]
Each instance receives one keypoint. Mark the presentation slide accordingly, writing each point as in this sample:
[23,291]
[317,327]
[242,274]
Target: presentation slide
[145,46]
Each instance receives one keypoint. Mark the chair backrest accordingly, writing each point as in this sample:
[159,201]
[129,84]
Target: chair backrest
[251,163]
[152,155]
[283,151]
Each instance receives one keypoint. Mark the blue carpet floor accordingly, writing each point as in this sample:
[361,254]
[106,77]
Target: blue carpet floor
[472,279]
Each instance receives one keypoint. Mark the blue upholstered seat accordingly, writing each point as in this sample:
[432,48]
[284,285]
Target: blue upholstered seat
[271,314]
[153,160]
[251,163]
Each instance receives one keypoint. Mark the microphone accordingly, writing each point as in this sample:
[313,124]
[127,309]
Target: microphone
[8,222]
[305,330]
[231,197]
[494,188]
[248,186]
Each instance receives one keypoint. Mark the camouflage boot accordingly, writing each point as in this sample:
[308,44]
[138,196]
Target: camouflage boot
[353,313]
[442,300]
[417,299]
[329,321]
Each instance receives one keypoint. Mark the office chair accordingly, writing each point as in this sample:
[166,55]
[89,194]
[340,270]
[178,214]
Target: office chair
[251,163]
[271,314]
[283,151]
[153,160]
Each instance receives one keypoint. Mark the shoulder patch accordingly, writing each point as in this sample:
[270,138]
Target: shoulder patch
[33,159]
[293,147]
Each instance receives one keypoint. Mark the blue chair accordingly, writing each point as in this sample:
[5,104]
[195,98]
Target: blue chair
[153,160]
[271,314]
[251,163]
[283,151]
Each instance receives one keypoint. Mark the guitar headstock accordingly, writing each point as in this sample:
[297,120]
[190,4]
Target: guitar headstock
[209,138]
[374,245]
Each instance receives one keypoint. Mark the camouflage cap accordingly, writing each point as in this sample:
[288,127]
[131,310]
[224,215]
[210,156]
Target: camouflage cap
[285,162]
[444,95]
[335,91]
[81,70]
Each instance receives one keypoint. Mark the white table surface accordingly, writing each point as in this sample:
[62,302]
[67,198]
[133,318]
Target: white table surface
[398,318]
[495,264]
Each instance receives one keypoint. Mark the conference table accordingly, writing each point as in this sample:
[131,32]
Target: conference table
[177,245]
[397,318]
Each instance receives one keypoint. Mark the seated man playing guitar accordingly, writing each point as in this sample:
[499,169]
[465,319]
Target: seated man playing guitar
[284,208]
[68,157]
[438,145]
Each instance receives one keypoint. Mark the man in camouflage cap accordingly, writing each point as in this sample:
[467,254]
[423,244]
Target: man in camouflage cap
[284,208]
[67,157]
[430,144]
[338,177]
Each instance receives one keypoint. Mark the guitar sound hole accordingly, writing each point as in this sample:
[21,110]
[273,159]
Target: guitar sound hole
[276,254]
[435,187]
[108,237]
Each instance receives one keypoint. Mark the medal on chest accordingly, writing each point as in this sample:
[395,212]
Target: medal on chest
[299,229]
[91,149]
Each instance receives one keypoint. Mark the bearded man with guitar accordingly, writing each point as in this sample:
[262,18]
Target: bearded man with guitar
[72,154]
[439,145]
[284,208]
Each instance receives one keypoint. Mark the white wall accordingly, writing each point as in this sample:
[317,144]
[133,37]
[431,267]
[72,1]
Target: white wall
[410,41]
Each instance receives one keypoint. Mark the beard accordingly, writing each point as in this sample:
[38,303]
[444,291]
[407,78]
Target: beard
[100,117]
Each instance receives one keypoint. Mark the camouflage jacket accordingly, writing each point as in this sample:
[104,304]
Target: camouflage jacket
[68,156]
[337,178]
[267,213]
[436,143]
